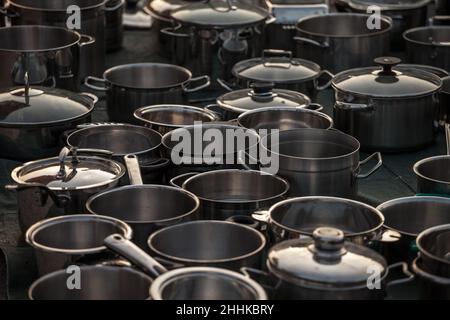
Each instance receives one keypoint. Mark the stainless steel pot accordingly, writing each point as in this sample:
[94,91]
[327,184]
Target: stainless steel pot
[58,186]
[405,218]
[429,45]
[56,13]
[297,217]
[114,11]
[341,41]
[131,86]
[227,193]
[47,56]
[211,243]
[148,207]
[380,105]
[61,242]
[32,120]
[282,118]
[316,162]
[167,117]
[434,248]
[431,287]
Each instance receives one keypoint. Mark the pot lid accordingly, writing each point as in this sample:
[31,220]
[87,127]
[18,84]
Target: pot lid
[42,106]
[220,14]
[276,69]
[163,8]
[70,171]
[261,95]
[327,259]
[388,4]
[387,81]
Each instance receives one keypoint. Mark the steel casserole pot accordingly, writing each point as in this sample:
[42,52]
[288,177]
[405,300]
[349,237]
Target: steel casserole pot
[62,185]
[329,268]
[380,105]
[431,287]
[32,120]
[131,86]
[434,250]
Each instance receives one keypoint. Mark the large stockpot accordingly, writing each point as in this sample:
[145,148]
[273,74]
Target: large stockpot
[431,287]
[61,242]
[316,162]
[405,14]
[429,45]
[193,149]
[147,207]
[227,193]
[131,86]
[380,105]
[341,41]
[167,117]
[405,218]
[297,217]
[47,56]
[32,120]
[434,250]
[50,12]
[209,243]
[62,185]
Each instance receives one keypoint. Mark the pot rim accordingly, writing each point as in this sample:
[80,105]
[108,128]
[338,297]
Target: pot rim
[256,251]
[145,64]
[138,114]
[146,186]
[232,171]
[426,160]
[124,126]
[159,283]
[41,225]
[335,199]
[389,7]
[425,252]
[95,6]
[408,39]
[371,34]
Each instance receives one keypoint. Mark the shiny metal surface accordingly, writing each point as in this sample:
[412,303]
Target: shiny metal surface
[434,248]
[431,287]
[211,243]
[433,176]
[227,193]
[340,42]
[64,241]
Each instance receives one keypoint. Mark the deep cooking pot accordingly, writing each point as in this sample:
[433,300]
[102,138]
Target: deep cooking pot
[56,13]
[49,56]
[434,248]
[431,287]
[386,108]
[429,45]
[62,185]
[405,218]
[405,14]
[297,217]
[132,86]
[167,117]
[341,41]
[114,10]
[227,193]
[32,120]
[69,240]
[316,162]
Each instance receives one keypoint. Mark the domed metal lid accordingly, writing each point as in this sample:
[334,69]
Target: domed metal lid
[388,81]
[220,14]
[261,95]
[388,4]
[327,260]
[39,105]
[278,69]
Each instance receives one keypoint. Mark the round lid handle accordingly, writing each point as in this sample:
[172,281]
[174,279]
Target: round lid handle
[387,63]
[328,245]
[262,88]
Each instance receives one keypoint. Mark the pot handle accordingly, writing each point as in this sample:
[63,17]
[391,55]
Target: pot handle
[268,53]
[7,12]
[404,266]
[88,84]
[245,220]
[271,19]
[172,181]
[225,84]
[312,42]
[314,107]
[60,200]
[172,32]
[262,277]
[206,84]
[262,216]
[91,96]
[156,165]
[374,169]
[353,106]
[170,265]
[86,40]
[326,85]
[133,169]
[116,7]
[216,110]
[128,250]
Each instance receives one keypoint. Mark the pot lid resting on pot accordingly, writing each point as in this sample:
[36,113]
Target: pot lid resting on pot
[388,4]
[387,81]
[261,95]
[221,14]
[328,260]
[42,106]
[70,171]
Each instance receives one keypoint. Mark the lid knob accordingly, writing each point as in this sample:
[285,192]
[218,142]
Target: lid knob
[387,63]
[262,88]
[328,245]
